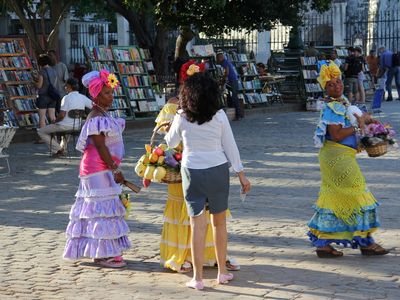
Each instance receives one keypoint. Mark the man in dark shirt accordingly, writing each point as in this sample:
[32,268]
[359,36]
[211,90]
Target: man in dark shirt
[231,78]
[352,67]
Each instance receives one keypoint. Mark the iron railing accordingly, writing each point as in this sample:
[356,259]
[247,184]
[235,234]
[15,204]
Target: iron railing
[371,30]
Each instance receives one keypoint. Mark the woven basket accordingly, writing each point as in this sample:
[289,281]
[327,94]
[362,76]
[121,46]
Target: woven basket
[172,176]
[377,150]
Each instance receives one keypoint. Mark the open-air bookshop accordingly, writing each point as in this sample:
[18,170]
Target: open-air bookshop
[17,93]
[139,90]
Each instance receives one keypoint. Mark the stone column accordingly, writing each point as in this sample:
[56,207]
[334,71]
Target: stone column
[122,30]
[263,46]
[339,23]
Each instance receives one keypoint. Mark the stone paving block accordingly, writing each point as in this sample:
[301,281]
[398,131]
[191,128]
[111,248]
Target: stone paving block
[267,234]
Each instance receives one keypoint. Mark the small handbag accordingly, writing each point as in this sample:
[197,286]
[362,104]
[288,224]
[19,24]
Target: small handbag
[52,92]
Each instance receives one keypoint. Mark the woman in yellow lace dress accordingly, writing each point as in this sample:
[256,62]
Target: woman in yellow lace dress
[175,238]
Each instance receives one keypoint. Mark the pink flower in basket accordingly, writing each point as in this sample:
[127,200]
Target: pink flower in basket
[376,133]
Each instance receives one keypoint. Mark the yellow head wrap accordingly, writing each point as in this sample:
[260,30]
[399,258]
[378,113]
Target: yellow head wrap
[328,73]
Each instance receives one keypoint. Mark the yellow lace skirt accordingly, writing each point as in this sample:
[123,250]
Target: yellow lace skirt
[175,238]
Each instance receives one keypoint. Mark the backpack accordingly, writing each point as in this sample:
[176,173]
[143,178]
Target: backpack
[52,92]
[396,59]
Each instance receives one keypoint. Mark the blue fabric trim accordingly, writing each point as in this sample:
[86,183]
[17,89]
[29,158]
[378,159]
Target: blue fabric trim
[332,113]
[328,222]
[355,243]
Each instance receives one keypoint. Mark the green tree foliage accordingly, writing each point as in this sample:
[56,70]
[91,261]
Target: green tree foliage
[216,16]
[32,15]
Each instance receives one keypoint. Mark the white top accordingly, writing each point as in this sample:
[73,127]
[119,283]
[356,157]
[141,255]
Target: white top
[207,145]
[73,100]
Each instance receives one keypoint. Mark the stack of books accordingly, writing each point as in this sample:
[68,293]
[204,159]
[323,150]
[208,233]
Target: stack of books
[11,47]
[15,62]
[308,61]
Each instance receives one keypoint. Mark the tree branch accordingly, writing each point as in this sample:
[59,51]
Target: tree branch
[28,25]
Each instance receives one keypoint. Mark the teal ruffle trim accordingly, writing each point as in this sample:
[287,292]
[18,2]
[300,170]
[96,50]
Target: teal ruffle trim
[325,220]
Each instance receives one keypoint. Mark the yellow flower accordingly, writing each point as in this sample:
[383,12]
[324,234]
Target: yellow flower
[193,69]
[112,81]
[328,73]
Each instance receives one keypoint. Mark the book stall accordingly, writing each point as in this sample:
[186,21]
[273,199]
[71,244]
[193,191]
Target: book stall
[139,94]
[254,90]
[17,92]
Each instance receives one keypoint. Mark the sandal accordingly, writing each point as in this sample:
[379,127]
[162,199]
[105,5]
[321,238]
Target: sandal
[112,262]
[186,267]
[373,249]
[328,252]
[232,264]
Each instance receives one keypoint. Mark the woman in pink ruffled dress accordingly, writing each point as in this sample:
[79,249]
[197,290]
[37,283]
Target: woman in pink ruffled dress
[97,228]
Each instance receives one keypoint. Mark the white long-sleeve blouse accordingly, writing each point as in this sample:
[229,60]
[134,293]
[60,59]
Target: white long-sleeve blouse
[207,145]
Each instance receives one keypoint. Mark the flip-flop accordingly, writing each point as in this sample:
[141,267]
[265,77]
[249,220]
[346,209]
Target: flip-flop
[112,262]
[186,267]
[232,264]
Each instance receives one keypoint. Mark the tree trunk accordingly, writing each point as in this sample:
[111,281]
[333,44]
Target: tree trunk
[185,36]
[160,52]
[136,23]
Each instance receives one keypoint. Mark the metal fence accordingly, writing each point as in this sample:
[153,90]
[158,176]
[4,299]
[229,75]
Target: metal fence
[371,30]
[89,34]
[316,28]
[242,41]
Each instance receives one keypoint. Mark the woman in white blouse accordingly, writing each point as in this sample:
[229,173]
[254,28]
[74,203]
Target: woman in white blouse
[208,146]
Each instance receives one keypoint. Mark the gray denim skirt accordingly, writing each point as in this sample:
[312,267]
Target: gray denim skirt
[206,187]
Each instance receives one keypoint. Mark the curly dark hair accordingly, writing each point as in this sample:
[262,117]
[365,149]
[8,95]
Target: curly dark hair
[199,98]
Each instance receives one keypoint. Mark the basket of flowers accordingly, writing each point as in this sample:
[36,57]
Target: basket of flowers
[377,138]
[159,163]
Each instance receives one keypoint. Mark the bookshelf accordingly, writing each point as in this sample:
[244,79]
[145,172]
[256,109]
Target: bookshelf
[17,92]
[135,72]
[135,66]
[250,86]
[102,57]
[309,74]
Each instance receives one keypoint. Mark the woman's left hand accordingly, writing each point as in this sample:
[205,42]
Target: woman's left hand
[245,183]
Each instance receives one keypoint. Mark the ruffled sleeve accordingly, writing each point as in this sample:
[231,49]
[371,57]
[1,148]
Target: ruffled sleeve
[333,113]
[97,125]
[166,115]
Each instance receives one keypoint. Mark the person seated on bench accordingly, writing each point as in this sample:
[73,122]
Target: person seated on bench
[73,100]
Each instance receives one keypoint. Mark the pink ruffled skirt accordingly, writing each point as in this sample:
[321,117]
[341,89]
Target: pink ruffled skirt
[97,228]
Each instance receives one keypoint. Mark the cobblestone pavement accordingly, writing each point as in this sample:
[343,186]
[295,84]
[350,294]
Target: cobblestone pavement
[267,234]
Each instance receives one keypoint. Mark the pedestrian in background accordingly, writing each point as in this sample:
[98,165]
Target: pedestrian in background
[311,51]
[97,228]
[73,100]
[45,104]
[388,69]
[208,145]
[373,64]
[360,99]
[230,77]
[62,75]
[346,211]
[352,67]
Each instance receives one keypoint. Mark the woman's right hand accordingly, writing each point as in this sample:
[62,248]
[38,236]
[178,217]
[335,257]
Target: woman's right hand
[245,183]
[119,177]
